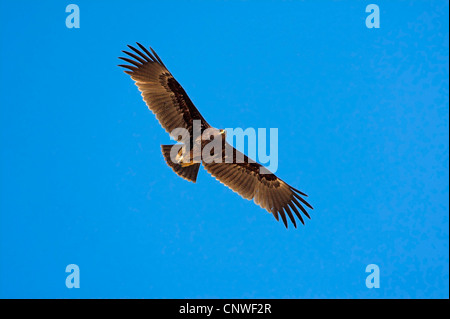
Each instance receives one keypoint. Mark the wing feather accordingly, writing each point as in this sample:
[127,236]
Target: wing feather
[291,217]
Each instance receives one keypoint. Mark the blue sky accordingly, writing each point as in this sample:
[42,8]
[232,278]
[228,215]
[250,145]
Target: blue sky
[362,118]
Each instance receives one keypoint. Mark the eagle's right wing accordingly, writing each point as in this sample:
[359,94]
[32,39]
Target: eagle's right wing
[163,95]
[253,181]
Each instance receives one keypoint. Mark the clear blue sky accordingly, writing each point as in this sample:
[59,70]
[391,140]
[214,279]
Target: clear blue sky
[362,116]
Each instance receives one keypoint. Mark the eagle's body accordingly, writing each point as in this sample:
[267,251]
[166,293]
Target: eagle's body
[174,110]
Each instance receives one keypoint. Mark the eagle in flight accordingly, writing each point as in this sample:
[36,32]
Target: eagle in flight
[173,108]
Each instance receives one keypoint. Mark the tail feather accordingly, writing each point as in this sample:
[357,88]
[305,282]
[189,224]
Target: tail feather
[189,172]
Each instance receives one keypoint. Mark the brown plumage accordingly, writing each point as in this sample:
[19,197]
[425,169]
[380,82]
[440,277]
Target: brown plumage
[172,107]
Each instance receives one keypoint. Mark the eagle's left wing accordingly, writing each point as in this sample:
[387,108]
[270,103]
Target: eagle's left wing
[163,95]
[253,181]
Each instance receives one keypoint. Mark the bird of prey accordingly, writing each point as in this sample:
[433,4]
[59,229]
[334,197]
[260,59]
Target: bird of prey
[174,109]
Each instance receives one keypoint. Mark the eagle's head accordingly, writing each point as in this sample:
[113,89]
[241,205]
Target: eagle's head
[223,132]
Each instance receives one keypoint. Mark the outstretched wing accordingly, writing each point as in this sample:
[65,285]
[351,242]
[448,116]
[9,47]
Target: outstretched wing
[163,95]
[252,181]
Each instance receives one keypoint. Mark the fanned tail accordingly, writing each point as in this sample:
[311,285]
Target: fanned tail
[188,172]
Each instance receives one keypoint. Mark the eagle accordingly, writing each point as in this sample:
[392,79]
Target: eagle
[173,108]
